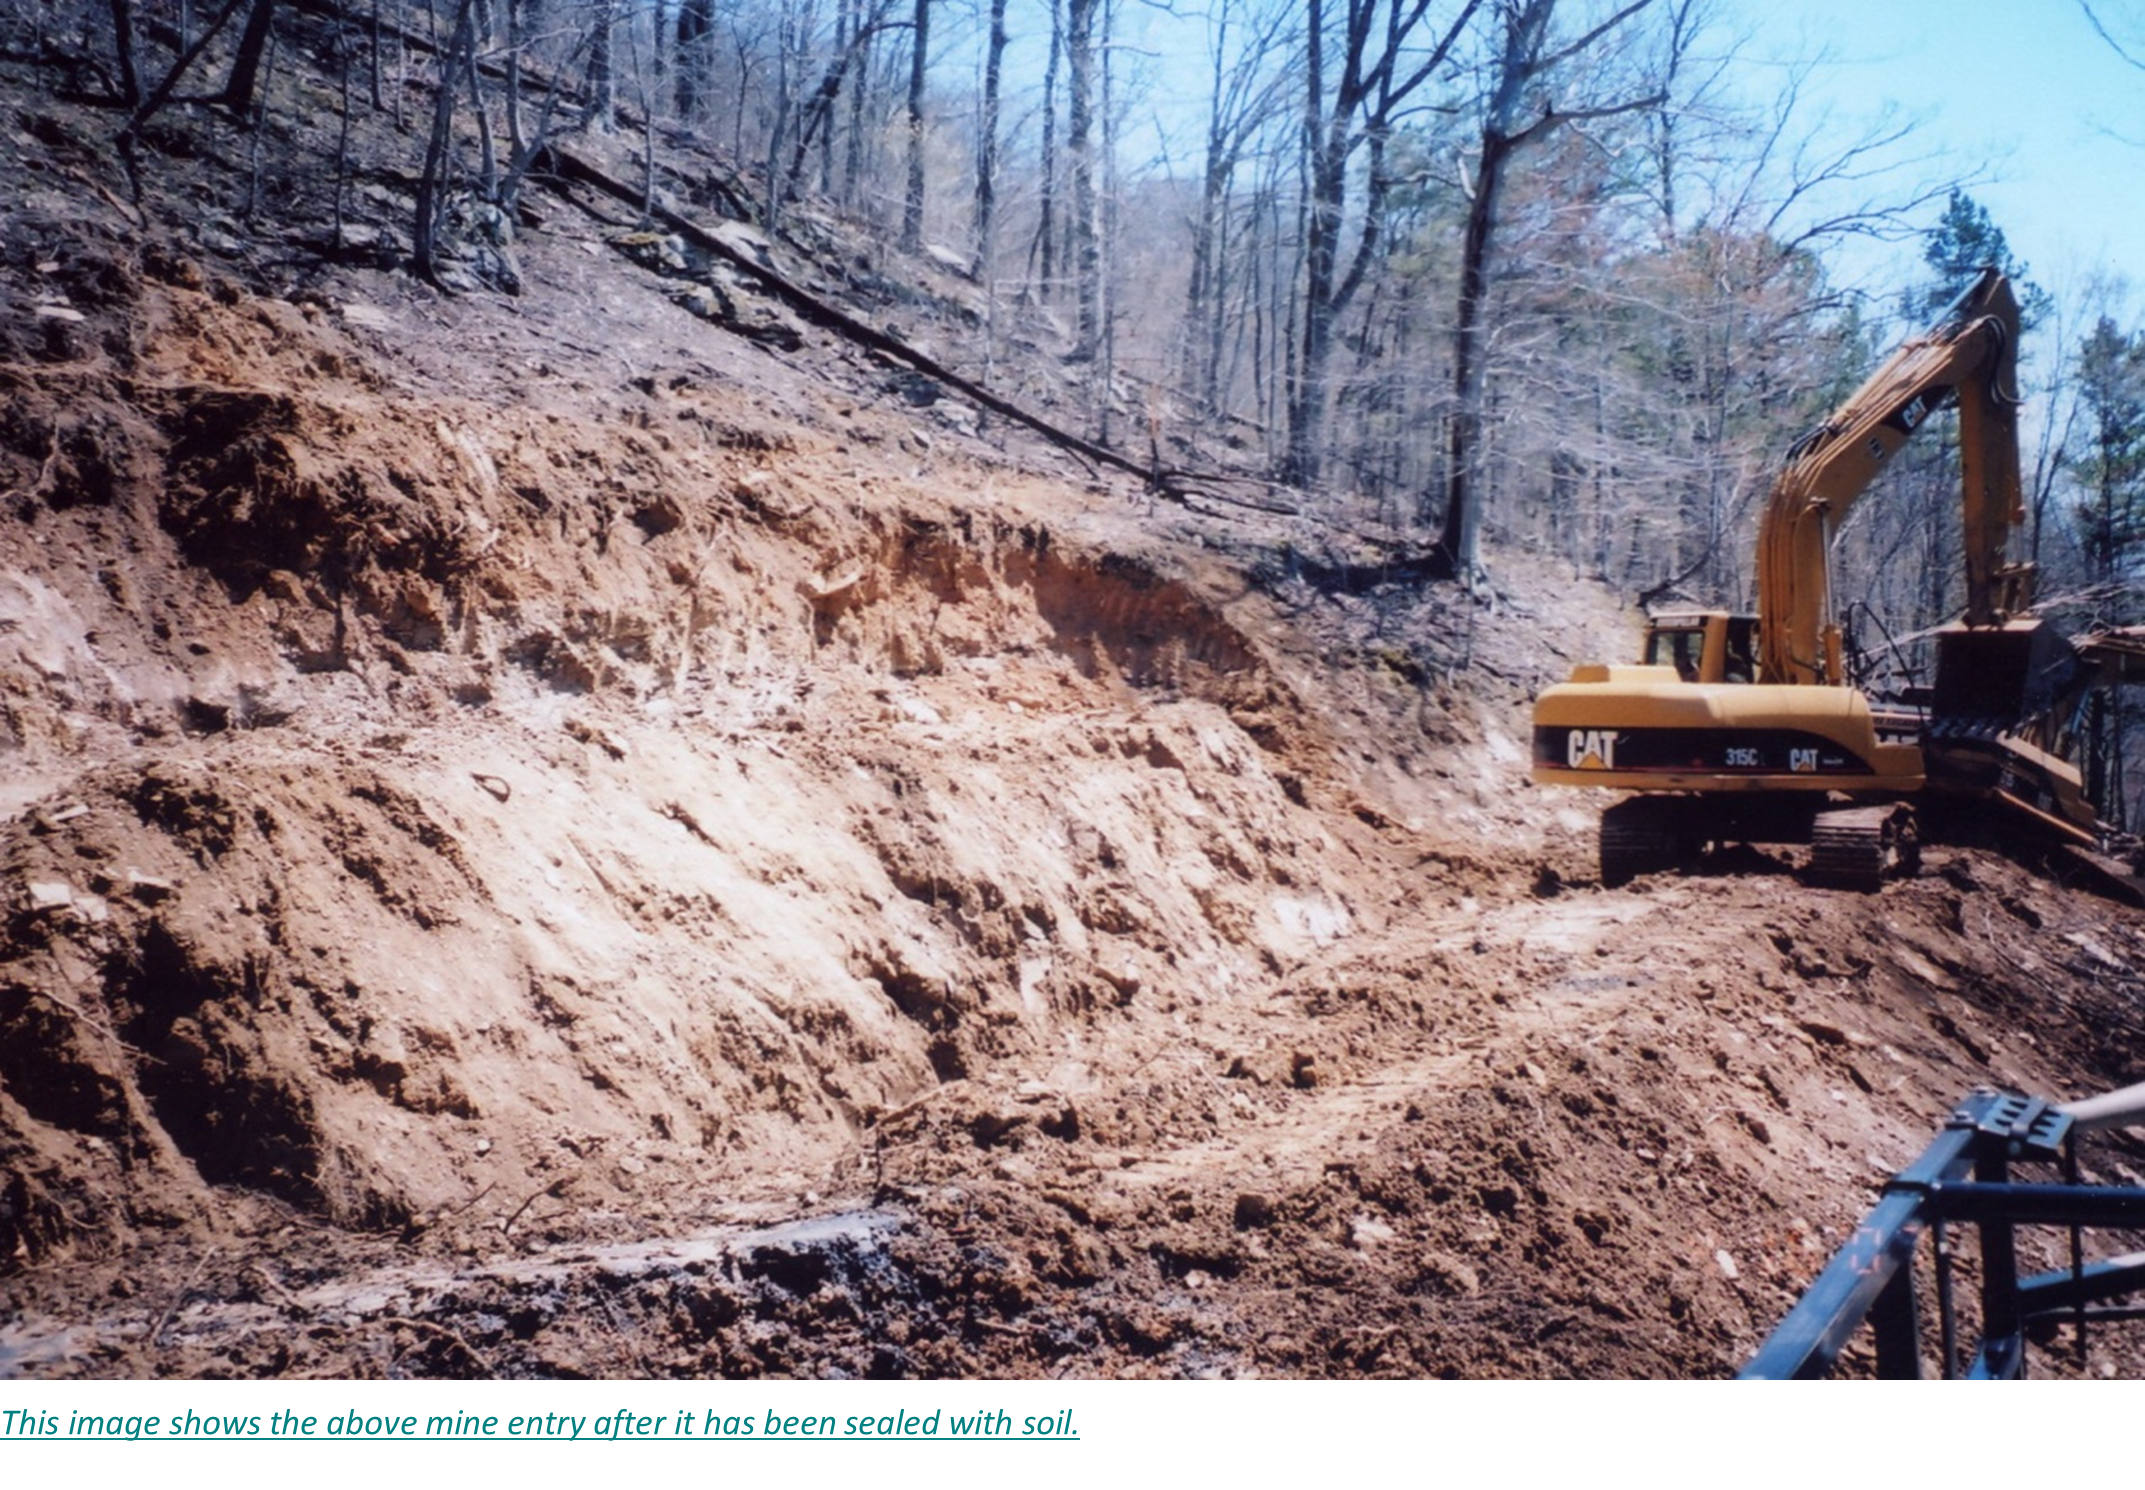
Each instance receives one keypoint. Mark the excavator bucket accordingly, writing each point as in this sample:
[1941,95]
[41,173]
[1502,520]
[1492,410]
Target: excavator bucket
[1992,680]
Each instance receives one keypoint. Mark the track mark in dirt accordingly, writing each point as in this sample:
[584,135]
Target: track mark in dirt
[1309,1132]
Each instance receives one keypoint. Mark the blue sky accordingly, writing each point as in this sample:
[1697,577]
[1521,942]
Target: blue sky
[2019,96]
[2023,95]
[2020,99]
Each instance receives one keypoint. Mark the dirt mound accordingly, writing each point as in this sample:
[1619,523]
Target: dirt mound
[384,678]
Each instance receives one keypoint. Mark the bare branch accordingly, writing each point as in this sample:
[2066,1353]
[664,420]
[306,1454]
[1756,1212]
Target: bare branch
[2105,35]
[1445,45]
[1576,47]
[1553,117]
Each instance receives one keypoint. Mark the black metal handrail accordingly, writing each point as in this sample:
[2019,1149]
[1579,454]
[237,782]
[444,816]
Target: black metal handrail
[1964,1178]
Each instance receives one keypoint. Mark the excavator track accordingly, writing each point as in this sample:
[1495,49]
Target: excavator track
[1642,836]
[1855,848]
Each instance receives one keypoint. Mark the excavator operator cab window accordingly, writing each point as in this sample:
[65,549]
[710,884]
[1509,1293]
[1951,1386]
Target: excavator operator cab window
[1741,663]
[1680,647]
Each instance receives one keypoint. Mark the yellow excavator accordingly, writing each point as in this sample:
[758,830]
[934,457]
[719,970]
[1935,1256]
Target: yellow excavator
[1746,729]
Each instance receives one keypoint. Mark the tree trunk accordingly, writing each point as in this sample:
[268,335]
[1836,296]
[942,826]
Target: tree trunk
[1322,226]
[487,149]
[246,66]
[1202,299]
[844,37]
[987,145]
[342,131]
[1080,157]
[912,209]
[696,18]
[1470,367]
[602,75]
[793,36]
[431,183]
[1107,234]
[853,147]
[1214,387]
[130,83]
[1046,225]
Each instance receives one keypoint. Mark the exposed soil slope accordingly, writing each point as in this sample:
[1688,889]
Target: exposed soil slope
[544,835]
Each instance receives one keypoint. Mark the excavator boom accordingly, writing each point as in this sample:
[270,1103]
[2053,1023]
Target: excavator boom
[1970,356]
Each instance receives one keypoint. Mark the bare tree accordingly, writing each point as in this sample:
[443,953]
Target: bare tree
[1044,246]
[1379,65]
[602,78]
[846,65]
[987,140]
[1082,248]
[853,153]
[1247,83]
[431,181]
[130,87]
[912,210]
[694,33]
[1526,56]
[245,72]
[1045,243]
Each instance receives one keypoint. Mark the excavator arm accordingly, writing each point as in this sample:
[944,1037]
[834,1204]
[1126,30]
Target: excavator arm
[1970,356]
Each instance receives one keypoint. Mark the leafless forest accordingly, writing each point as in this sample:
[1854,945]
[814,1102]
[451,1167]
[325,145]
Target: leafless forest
[1556,268]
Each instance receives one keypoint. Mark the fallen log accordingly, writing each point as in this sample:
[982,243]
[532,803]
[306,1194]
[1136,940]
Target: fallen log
[1187,487]
[569,166]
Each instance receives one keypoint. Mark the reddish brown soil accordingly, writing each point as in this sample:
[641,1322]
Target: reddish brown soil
[539,836]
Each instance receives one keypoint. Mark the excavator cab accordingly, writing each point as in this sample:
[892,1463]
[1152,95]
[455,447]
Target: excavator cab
[1704,646]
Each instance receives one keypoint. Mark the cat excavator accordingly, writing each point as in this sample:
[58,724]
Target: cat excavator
[1748,729]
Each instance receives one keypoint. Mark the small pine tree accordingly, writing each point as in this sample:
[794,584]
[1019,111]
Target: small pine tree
[1965,241]
[2110,470]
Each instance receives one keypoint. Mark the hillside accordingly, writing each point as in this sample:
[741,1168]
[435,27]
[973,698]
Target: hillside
[549,834]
